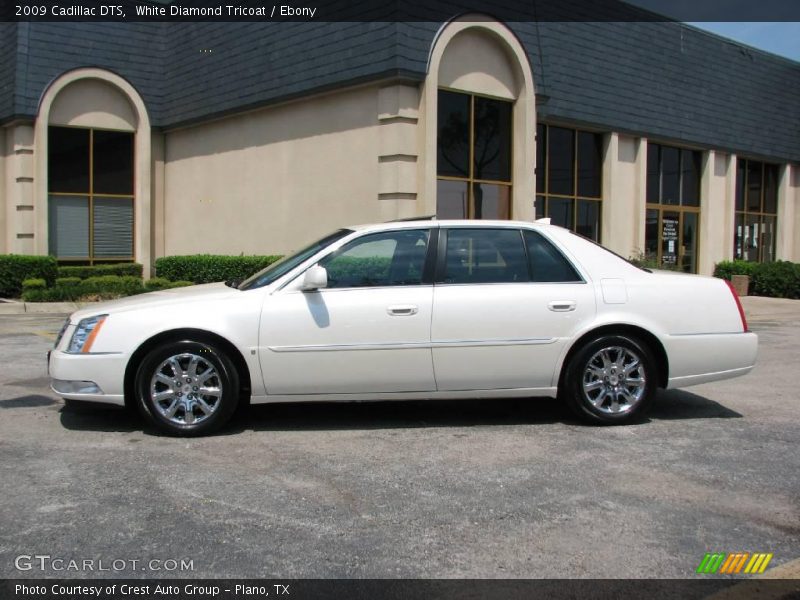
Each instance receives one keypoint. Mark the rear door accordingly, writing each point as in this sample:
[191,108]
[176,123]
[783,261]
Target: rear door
[505,303]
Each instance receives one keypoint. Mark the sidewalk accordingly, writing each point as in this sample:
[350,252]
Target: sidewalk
[757,308]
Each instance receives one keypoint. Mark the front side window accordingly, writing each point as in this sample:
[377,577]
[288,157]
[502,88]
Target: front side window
[756,211]
[90,202]
[473,161]
[569,178]
[485,256]
[379,259]
[673,206]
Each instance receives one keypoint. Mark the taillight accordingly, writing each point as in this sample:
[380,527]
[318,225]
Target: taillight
[738,305]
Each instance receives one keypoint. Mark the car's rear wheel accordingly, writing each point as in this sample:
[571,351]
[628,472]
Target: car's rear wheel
[187,388]
[610,380]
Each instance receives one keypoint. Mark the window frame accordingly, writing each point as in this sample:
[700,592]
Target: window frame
[575,198]
[90,195]
[661,207]
[470,180]
[744,164]
[428,264]
[441,258]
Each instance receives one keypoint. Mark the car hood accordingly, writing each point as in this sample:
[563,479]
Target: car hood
[194,293]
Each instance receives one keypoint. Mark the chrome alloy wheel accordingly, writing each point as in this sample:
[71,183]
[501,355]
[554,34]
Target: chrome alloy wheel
[186,389]
[614,380]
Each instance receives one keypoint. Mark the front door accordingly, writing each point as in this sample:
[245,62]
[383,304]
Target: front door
[367,332]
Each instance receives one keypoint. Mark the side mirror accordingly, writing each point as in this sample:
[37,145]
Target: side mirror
[315,278]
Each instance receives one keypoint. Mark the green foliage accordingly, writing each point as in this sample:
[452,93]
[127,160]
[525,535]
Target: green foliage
[121,269]
[641,260]
[728,268]
[352,271]
[16,268]
[68,282]
[55,294]
[159,283]
[34,284]
[208,268]
[110,286]
[156,283]
[780,279]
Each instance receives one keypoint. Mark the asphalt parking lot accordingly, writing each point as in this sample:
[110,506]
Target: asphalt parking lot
[484,489]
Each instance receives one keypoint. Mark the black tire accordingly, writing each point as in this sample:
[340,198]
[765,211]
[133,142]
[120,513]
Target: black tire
[603,375]
[204,382]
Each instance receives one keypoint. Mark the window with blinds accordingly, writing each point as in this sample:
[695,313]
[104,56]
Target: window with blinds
[90,202]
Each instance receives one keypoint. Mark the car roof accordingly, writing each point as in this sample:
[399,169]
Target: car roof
[422,223]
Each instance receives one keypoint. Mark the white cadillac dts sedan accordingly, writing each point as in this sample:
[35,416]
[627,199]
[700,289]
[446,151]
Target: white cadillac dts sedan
[411,310]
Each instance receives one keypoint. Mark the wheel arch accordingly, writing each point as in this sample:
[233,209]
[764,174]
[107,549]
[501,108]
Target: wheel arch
[653,343]
[177,335]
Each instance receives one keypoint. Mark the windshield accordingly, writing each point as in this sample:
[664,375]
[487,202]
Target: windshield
[289,262]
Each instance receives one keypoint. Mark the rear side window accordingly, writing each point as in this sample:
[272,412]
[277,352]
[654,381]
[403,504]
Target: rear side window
[485,256]
[547,264]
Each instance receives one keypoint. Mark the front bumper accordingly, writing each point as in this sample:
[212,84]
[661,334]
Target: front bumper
[92,377]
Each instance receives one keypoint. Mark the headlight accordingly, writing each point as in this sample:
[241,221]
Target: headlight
[85,334]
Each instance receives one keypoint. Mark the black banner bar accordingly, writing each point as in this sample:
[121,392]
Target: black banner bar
[392,589]
[396,10]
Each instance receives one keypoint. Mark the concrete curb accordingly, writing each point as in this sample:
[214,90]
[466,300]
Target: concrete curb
[10,307]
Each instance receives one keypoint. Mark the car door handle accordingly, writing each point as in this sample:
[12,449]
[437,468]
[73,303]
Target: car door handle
[562,305]
[402,310]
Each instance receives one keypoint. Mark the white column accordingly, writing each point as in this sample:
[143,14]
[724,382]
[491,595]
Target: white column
[787,207]
[624,185]
[717,200]
[3,192]
[398,115]
[19,215]
[794,234]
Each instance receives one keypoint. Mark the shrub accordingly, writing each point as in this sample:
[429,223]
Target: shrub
[207,268]
[55,294]
[33,284]
[727,268]
[780,279]
[641,260]
[120,269]
[68,282]
[110,286]
[177,284]
[159,283]
[156,283]
[16,268]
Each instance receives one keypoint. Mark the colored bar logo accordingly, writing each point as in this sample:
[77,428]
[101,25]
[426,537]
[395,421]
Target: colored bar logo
[722,563]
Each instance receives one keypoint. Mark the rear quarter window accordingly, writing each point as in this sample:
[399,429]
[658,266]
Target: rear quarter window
[547,263]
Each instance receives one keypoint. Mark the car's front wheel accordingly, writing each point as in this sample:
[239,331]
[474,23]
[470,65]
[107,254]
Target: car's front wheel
[610,380]
[187,388]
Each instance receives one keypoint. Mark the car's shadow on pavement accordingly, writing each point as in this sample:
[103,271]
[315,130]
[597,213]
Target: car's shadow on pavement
[314,416]
[679,404]
[94,416]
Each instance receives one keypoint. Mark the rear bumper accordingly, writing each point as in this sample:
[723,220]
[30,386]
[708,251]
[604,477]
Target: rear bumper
[695,359]
[92,377]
